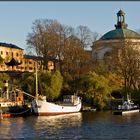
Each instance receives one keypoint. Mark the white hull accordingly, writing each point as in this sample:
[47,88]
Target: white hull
[130,111]
[42,107]
[123,112]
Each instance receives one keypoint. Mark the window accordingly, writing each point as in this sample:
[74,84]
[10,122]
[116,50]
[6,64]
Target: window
[30,62]
[1,52]
[17,54]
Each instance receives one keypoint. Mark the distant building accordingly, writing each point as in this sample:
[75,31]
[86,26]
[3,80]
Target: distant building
[28,62]
[114,38]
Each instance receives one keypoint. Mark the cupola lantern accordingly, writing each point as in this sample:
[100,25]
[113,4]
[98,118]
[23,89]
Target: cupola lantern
[121,20]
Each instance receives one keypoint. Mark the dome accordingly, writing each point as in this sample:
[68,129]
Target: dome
[120,34]
[121,31]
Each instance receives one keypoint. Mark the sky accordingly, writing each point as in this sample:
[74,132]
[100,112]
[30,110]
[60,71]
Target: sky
[16,18]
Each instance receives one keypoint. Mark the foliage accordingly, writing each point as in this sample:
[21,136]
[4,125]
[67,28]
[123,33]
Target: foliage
[27,83]
[125,62]
[115,81]
[3,77]
[96,87]
[48,84]
[62,44]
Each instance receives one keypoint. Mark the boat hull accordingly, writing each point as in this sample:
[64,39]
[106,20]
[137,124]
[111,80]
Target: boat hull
[15,111]
[44,108]
[123,112]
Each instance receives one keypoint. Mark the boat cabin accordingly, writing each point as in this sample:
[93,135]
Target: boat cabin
[71,99]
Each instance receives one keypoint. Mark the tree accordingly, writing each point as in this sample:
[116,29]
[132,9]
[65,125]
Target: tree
[48,39]
[27,83]
[86,36]
[3,77]
[96,87]
[60,43]
[50,84]
[126,62]
[75,58]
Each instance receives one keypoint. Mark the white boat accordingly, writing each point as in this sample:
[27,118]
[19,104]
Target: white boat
[126,108]
[127,105]
[71,104]
[40,106]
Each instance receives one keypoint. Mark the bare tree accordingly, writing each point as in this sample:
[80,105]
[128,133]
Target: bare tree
[48,39]
[75,57]
[85,35]
[59,43]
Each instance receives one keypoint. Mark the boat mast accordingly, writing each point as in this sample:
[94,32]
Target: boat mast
[36,82]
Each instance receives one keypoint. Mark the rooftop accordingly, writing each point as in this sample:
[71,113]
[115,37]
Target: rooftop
[9,46]
[120,34]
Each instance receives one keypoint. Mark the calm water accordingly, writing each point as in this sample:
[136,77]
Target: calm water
[95,125]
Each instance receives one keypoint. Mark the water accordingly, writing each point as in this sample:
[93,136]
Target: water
[87,125]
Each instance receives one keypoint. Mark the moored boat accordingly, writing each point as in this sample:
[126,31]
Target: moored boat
[14,106]
[13,110]
[40,106]
[70,104]
[12,102]
[126,108]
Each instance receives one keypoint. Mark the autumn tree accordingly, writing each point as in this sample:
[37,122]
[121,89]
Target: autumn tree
[126,62]
[60,43]
[75,57]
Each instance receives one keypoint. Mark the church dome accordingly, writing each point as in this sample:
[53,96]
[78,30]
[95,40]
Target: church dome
[121,31]
[120,34]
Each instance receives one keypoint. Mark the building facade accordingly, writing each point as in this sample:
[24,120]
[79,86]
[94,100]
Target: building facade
[119,37]
[26,63]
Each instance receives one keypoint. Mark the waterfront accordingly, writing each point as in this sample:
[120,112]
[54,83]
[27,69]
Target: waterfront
[86,125]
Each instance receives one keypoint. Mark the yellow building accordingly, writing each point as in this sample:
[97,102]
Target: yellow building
[27,62]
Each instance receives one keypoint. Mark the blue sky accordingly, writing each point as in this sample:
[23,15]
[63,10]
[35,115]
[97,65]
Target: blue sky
[16,18]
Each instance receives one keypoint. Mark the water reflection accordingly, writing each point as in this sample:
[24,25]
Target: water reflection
[58,126]
[58,121]
[12,127]
[105,125]
[86,125]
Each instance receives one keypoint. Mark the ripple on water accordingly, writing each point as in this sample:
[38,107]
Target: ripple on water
[87,125]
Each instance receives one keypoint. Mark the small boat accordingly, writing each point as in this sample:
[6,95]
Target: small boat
[126,108]
[41,107]
[13,109]
[70,104]
[12,103]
